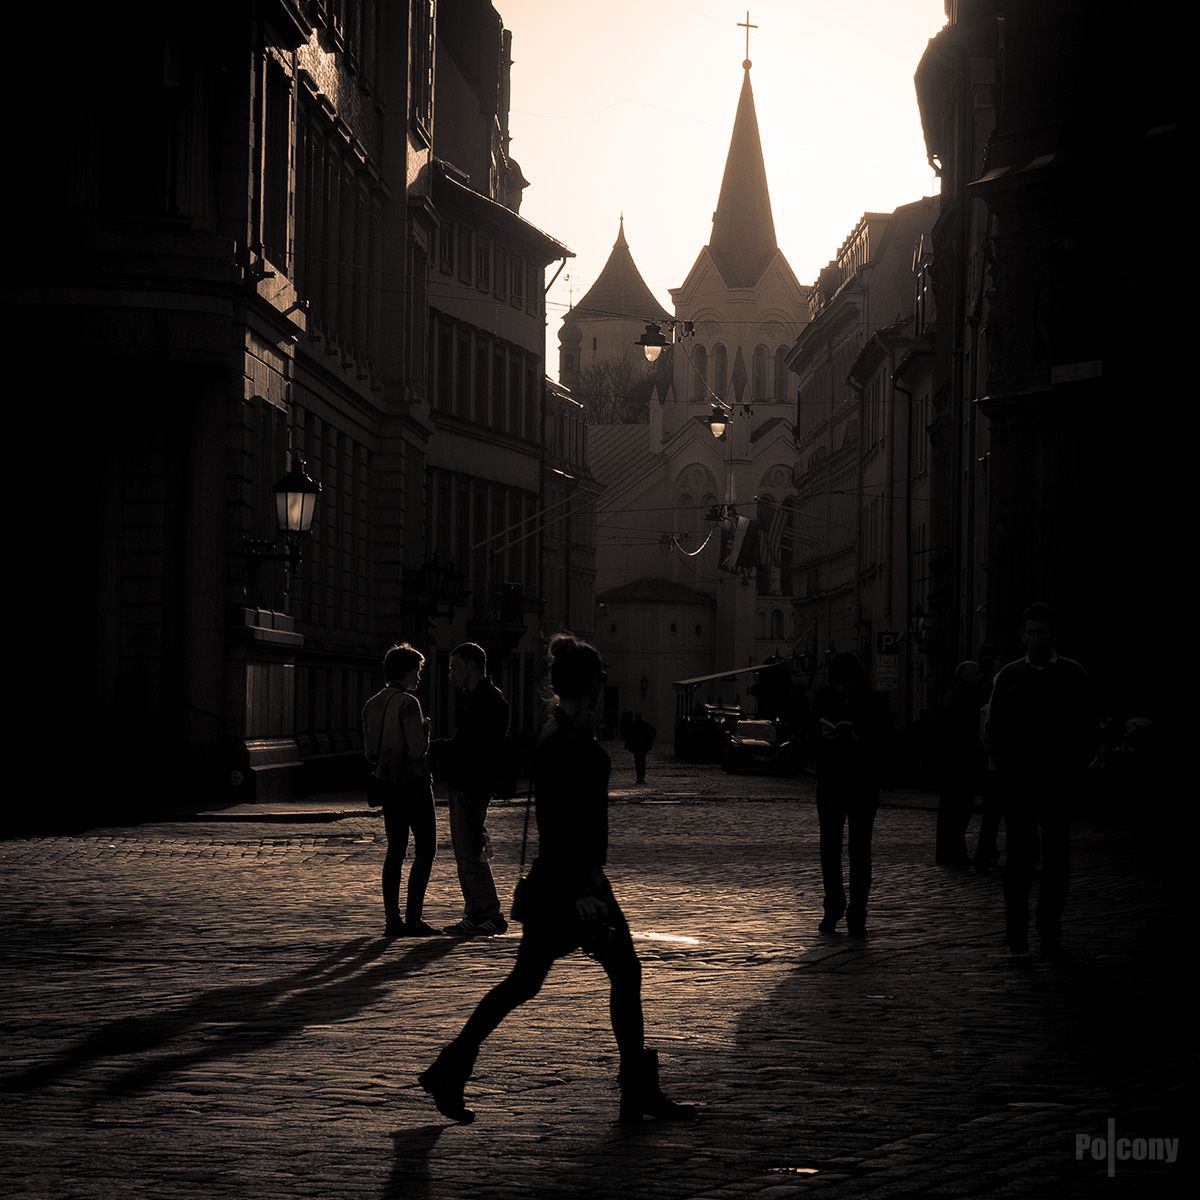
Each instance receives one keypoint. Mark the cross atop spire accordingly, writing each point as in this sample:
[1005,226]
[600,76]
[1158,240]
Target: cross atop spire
[747,27]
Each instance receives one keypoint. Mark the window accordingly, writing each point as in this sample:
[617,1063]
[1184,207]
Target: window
[518,280]
[482,359]
[483,259]
[500,273]
[720,370]
[421,84]
[776,625]
[499,390]
[464,254]
[276,166]
[515,395]
[446,237]
[699,373]
[443,397]
[759,378]
[462,407]
[781,374]
[533,289]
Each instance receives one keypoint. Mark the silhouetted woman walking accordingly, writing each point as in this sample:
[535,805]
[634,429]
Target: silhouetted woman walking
[570,902]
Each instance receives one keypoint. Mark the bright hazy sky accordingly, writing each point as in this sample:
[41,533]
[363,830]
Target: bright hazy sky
[620,106]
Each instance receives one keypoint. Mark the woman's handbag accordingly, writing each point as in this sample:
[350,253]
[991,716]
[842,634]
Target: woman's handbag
[378,789]
[523,893]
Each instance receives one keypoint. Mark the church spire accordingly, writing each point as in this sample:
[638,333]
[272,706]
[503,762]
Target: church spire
[743,232]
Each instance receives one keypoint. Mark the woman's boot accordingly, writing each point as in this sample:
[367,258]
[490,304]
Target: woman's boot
[445,1081]
[640,1094]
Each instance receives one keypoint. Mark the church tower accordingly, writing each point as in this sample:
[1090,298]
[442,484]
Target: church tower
[609,318]
[684,596]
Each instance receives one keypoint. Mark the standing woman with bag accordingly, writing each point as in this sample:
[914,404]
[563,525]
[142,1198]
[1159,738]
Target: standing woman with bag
[397,733]
[566,903]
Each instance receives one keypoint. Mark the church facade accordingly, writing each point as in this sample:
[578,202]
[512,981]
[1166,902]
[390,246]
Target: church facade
[694,536]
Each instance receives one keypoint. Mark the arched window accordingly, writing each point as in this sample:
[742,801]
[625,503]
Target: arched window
[764,515]
[685,517]
[760,373]
[786,548]
[760,625]
[699,389]
[720,370]
[776,624]
[781,374]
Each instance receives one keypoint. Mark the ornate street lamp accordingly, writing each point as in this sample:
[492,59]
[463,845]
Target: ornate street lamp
[295,506]
[652,341]
[718,421]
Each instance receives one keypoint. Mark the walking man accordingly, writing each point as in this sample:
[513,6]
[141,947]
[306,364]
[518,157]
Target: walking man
[638,740]
[472,762]
[1042,733]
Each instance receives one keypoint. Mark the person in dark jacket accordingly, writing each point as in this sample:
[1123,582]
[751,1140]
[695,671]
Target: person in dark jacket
[963,761]
[853,731]
[1042,732]
[570,904]
[473,762]
[638,741]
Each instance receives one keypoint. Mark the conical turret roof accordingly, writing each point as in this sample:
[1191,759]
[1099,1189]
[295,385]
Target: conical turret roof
[620,290]
[743,233]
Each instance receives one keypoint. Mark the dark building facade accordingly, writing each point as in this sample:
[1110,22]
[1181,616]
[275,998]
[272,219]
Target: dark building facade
[1054,131]
[223,268]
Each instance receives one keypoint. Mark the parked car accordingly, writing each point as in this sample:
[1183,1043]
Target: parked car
[759,744]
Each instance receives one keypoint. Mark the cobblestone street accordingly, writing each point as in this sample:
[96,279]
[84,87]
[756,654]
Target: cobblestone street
[207,1008]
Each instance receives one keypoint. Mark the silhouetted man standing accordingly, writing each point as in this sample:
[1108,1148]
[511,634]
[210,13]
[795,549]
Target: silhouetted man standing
[638,740]
[473,762]
[1042,732]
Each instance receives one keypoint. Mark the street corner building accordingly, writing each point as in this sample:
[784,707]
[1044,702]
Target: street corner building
[285,326]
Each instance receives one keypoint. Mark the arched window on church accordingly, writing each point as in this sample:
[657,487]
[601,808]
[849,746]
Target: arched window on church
[760,373]
[766,509]
[776,627]
[786,548]
[781,374]
[760,625]
[720,370]
[685,520]
[699,388]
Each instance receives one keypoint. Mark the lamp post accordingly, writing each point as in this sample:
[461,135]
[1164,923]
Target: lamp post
[295,506]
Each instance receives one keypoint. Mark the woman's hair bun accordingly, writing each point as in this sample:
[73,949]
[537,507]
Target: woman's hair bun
[574,666]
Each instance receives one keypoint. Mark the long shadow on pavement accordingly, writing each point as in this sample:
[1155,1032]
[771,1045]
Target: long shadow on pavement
[336,986]
[410,1178]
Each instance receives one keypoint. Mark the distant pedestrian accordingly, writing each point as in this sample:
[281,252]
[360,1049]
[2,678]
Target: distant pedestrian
[473,762]
[962,763]
[396,742]
[853,738]
[570,903]
[639,740]
[1042,733]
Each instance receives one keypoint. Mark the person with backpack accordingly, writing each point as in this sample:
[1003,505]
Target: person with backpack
[396,743]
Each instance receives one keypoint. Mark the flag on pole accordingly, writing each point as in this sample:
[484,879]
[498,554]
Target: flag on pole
[737,545]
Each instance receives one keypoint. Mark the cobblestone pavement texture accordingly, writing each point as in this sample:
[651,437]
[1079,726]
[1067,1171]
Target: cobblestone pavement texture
[206,1008]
